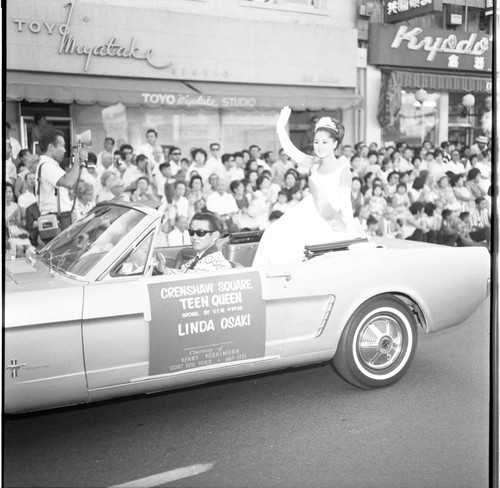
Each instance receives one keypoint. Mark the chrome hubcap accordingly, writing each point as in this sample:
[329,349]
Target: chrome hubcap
[380,342]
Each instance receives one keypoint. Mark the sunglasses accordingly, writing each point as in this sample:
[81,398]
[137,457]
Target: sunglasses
[199,232]
[176,154]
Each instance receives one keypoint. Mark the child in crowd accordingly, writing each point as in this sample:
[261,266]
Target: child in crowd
[296,197]
[377,202]
[282,203]
[464,227]
[373,164]
[433,220]
[17,237]
[392,184]
[400,202]
[449,233]
[391,226]
[445,196]
[361,218]
[462,193]
[372,226]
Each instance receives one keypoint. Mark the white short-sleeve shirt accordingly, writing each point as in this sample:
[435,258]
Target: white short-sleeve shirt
[48,174]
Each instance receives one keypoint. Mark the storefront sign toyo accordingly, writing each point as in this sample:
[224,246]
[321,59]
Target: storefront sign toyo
[431,48]
[69,44]
[401,10]
[205,321]
[198,101]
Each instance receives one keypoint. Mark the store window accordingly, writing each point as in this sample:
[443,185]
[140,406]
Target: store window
[469,116]
[240,129]
[187,129]
[183,128]
[419,118]
[58,115]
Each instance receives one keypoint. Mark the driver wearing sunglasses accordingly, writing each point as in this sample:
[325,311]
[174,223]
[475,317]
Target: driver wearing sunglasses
[204,230]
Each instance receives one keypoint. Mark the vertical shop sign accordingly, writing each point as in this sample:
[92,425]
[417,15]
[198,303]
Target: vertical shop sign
[205,321]
[390,99]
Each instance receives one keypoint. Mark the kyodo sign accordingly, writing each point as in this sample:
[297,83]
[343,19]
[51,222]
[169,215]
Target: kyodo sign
[430,48]
[401,10]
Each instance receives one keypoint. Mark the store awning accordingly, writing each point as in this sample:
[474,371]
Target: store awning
[240,95]
[444,82]
[87,89]
[83,89]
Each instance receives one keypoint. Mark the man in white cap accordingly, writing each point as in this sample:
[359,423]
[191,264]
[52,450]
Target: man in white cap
[480,147]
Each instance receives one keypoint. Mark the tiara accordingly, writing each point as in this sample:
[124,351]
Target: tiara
[326,123]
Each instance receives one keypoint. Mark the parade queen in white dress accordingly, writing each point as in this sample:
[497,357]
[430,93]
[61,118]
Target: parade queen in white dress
[325,215]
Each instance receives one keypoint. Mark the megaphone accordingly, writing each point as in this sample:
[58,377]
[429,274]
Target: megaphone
[84,138]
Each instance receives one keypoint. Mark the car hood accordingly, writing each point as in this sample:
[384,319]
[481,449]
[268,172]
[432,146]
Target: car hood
[34,296]
[22,275]
[23,271]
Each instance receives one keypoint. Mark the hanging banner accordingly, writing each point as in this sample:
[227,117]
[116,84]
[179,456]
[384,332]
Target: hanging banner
[390,99]
[204,321]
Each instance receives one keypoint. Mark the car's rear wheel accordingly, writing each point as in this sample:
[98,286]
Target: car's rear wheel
[378,343]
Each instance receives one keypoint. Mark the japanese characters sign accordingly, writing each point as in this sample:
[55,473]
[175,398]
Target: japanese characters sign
[401,10]
[204,321]
[430,48]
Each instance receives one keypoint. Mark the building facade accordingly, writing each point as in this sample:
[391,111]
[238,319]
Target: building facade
[429,71]
[197,71]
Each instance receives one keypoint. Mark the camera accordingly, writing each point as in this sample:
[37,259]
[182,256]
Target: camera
[81,139]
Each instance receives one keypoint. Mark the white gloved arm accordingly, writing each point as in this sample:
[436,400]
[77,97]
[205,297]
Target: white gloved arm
[291,151]
[346,209]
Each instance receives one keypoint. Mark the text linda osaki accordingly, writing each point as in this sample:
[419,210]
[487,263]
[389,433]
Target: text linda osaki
[206,299]
[111,48]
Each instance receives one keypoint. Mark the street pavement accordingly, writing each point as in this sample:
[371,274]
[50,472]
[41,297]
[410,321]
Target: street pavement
[297,428]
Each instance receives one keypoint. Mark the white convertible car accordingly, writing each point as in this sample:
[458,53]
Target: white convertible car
[88,319]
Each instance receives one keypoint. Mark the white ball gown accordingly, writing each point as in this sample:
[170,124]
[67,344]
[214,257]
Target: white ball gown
[317,219]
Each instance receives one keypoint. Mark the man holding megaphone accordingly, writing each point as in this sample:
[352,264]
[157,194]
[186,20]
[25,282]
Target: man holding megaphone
[53,182]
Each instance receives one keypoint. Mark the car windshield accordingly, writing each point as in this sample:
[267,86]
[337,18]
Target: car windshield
[80,247]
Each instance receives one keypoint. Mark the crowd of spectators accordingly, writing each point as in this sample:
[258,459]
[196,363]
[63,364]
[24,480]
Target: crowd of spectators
[434,194]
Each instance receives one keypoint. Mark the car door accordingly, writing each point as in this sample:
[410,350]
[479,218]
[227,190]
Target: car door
[145,334]
[307,297]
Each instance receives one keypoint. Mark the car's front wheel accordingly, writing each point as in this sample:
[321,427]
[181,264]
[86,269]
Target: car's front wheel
[378,343]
